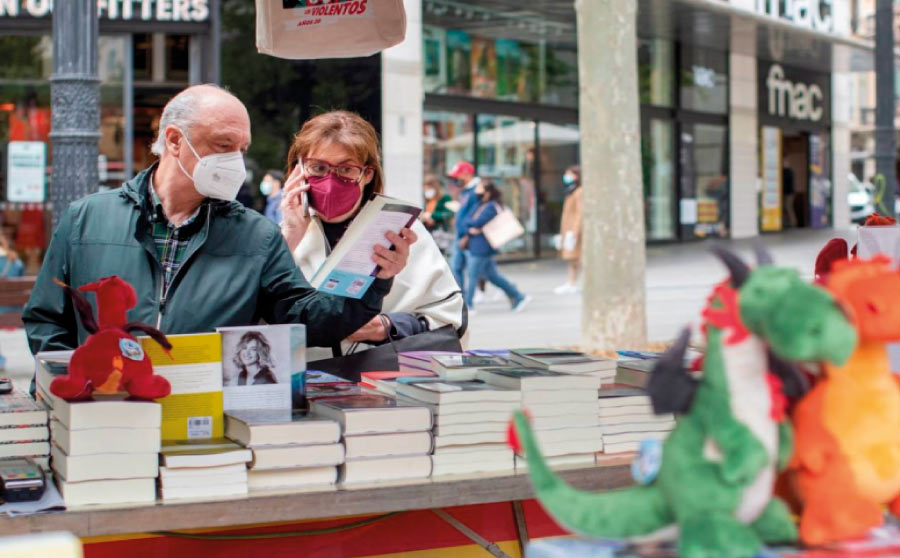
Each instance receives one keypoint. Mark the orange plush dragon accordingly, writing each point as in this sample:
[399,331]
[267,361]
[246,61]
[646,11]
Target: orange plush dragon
[847,460]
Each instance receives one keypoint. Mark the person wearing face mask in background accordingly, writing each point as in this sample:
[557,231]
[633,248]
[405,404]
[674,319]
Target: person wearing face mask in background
[436,216]
[270,187]
[197,259]
[335,162]
[464,174]
[481,264]
[570,231]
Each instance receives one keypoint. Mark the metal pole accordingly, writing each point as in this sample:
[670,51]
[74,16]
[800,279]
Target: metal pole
[885,138]
[74,103]
[128,106]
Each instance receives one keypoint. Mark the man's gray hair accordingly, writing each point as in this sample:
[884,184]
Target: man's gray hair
[180,111]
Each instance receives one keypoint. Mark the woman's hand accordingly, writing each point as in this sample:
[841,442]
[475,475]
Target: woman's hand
[474,231]
[393,261]
[295,220]
[373,331]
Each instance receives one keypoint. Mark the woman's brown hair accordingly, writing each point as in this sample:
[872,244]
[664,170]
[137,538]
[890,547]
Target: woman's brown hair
[343,128]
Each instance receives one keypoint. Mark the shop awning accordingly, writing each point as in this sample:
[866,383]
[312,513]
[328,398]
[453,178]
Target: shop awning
[726,25]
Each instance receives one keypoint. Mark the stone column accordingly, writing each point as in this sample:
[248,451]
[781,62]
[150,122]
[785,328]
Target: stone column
[402,97]
[614,313]
[74,103]
[744,133]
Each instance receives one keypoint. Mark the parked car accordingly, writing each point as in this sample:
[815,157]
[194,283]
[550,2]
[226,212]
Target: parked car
[861,198]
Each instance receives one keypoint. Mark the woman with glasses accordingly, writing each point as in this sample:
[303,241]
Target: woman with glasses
[334,163]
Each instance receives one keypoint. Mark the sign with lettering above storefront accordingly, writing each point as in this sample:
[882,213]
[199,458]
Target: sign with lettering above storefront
[792,94]
[815,14]
[117,10]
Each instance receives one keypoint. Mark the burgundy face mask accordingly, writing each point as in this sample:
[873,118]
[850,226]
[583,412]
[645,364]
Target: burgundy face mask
[332,196]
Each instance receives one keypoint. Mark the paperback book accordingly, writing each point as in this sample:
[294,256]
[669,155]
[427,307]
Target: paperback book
[257,366]
[349,270]
[464,367]
[194,369]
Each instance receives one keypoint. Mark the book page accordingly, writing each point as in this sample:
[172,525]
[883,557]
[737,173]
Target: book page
[359,259]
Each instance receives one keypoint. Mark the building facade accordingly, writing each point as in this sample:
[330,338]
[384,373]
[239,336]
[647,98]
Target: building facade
[148,50]
[744,109]
[744,104]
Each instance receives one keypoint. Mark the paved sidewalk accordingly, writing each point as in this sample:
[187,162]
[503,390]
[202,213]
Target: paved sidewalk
[679,277]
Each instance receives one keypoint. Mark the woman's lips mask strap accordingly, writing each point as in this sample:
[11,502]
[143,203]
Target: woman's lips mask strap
[332,196]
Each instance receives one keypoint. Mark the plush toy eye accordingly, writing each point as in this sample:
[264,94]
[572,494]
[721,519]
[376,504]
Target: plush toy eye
[871,307]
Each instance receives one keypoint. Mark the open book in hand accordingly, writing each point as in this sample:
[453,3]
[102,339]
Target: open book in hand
[349,270]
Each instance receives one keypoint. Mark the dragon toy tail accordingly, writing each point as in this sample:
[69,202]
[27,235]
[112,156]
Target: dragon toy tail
[82,306]
[151,332]
[630,513]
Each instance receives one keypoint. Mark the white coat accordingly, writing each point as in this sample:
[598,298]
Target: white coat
[425,287]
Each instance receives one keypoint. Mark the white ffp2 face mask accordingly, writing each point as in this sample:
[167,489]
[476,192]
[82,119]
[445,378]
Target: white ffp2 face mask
[218,175]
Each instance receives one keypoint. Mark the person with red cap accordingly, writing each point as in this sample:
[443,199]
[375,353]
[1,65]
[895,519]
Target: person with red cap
[464,173]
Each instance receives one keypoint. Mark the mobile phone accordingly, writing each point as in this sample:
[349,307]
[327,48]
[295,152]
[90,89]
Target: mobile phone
[5,385]
[304,200]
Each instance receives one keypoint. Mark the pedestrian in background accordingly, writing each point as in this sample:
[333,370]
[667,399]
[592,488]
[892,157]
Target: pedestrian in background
[464,173]
[270,187]
[437,217]
[570,231]
[481,263]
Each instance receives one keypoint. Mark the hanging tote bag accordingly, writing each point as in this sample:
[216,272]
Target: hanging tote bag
[305,29]
[503,228]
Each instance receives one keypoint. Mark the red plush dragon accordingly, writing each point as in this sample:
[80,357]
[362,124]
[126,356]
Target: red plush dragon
[111,360]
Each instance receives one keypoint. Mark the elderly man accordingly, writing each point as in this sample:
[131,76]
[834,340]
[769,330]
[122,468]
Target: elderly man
[197,259]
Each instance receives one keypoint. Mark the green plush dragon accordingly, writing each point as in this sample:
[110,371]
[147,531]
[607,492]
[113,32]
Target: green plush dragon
[713,490]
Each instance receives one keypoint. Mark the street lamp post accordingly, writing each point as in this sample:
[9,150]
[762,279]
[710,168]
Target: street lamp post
[74,103]
[885,138]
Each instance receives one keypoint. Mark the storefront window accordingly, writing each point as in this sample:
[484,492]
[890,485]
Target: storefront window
[658,165]
[142,55]
[704,80]
[460,62]
[656,78]
[704,180]
[449,138]
[25,153]
[177,58]
[506,154]
[111,164]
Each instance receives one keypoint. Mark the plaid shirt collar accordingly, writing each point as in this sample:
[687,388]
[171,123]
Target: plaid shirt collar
[158,215]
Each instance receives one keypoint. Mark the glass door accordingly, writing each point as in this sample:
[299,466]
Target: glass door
[705,192]
[658,169]
[557,151]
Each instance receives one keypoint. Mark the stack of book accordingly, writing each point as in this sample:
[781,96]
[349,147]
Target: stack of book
[386,382]
[471,419]
[105,452]
[384,439]
[634,367]
[418,361]
[23,428]
[290,449]
[210,468]
[461,368]
[567,362]
[562,409]
[627,419]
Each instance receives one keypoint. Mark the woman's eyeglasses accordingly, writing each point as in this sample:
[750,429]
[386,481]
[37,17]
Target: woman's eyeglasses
[317,168]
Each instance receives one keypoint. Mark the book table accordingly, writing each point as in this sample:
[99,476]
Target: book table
[453,516]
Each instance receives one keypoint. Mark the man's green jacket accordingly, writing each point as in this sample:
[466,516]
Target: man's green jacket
[237,271]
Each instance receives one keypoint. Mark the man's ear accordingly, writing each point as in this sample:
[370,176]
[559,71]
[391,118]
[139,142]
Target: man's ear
[173,139]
